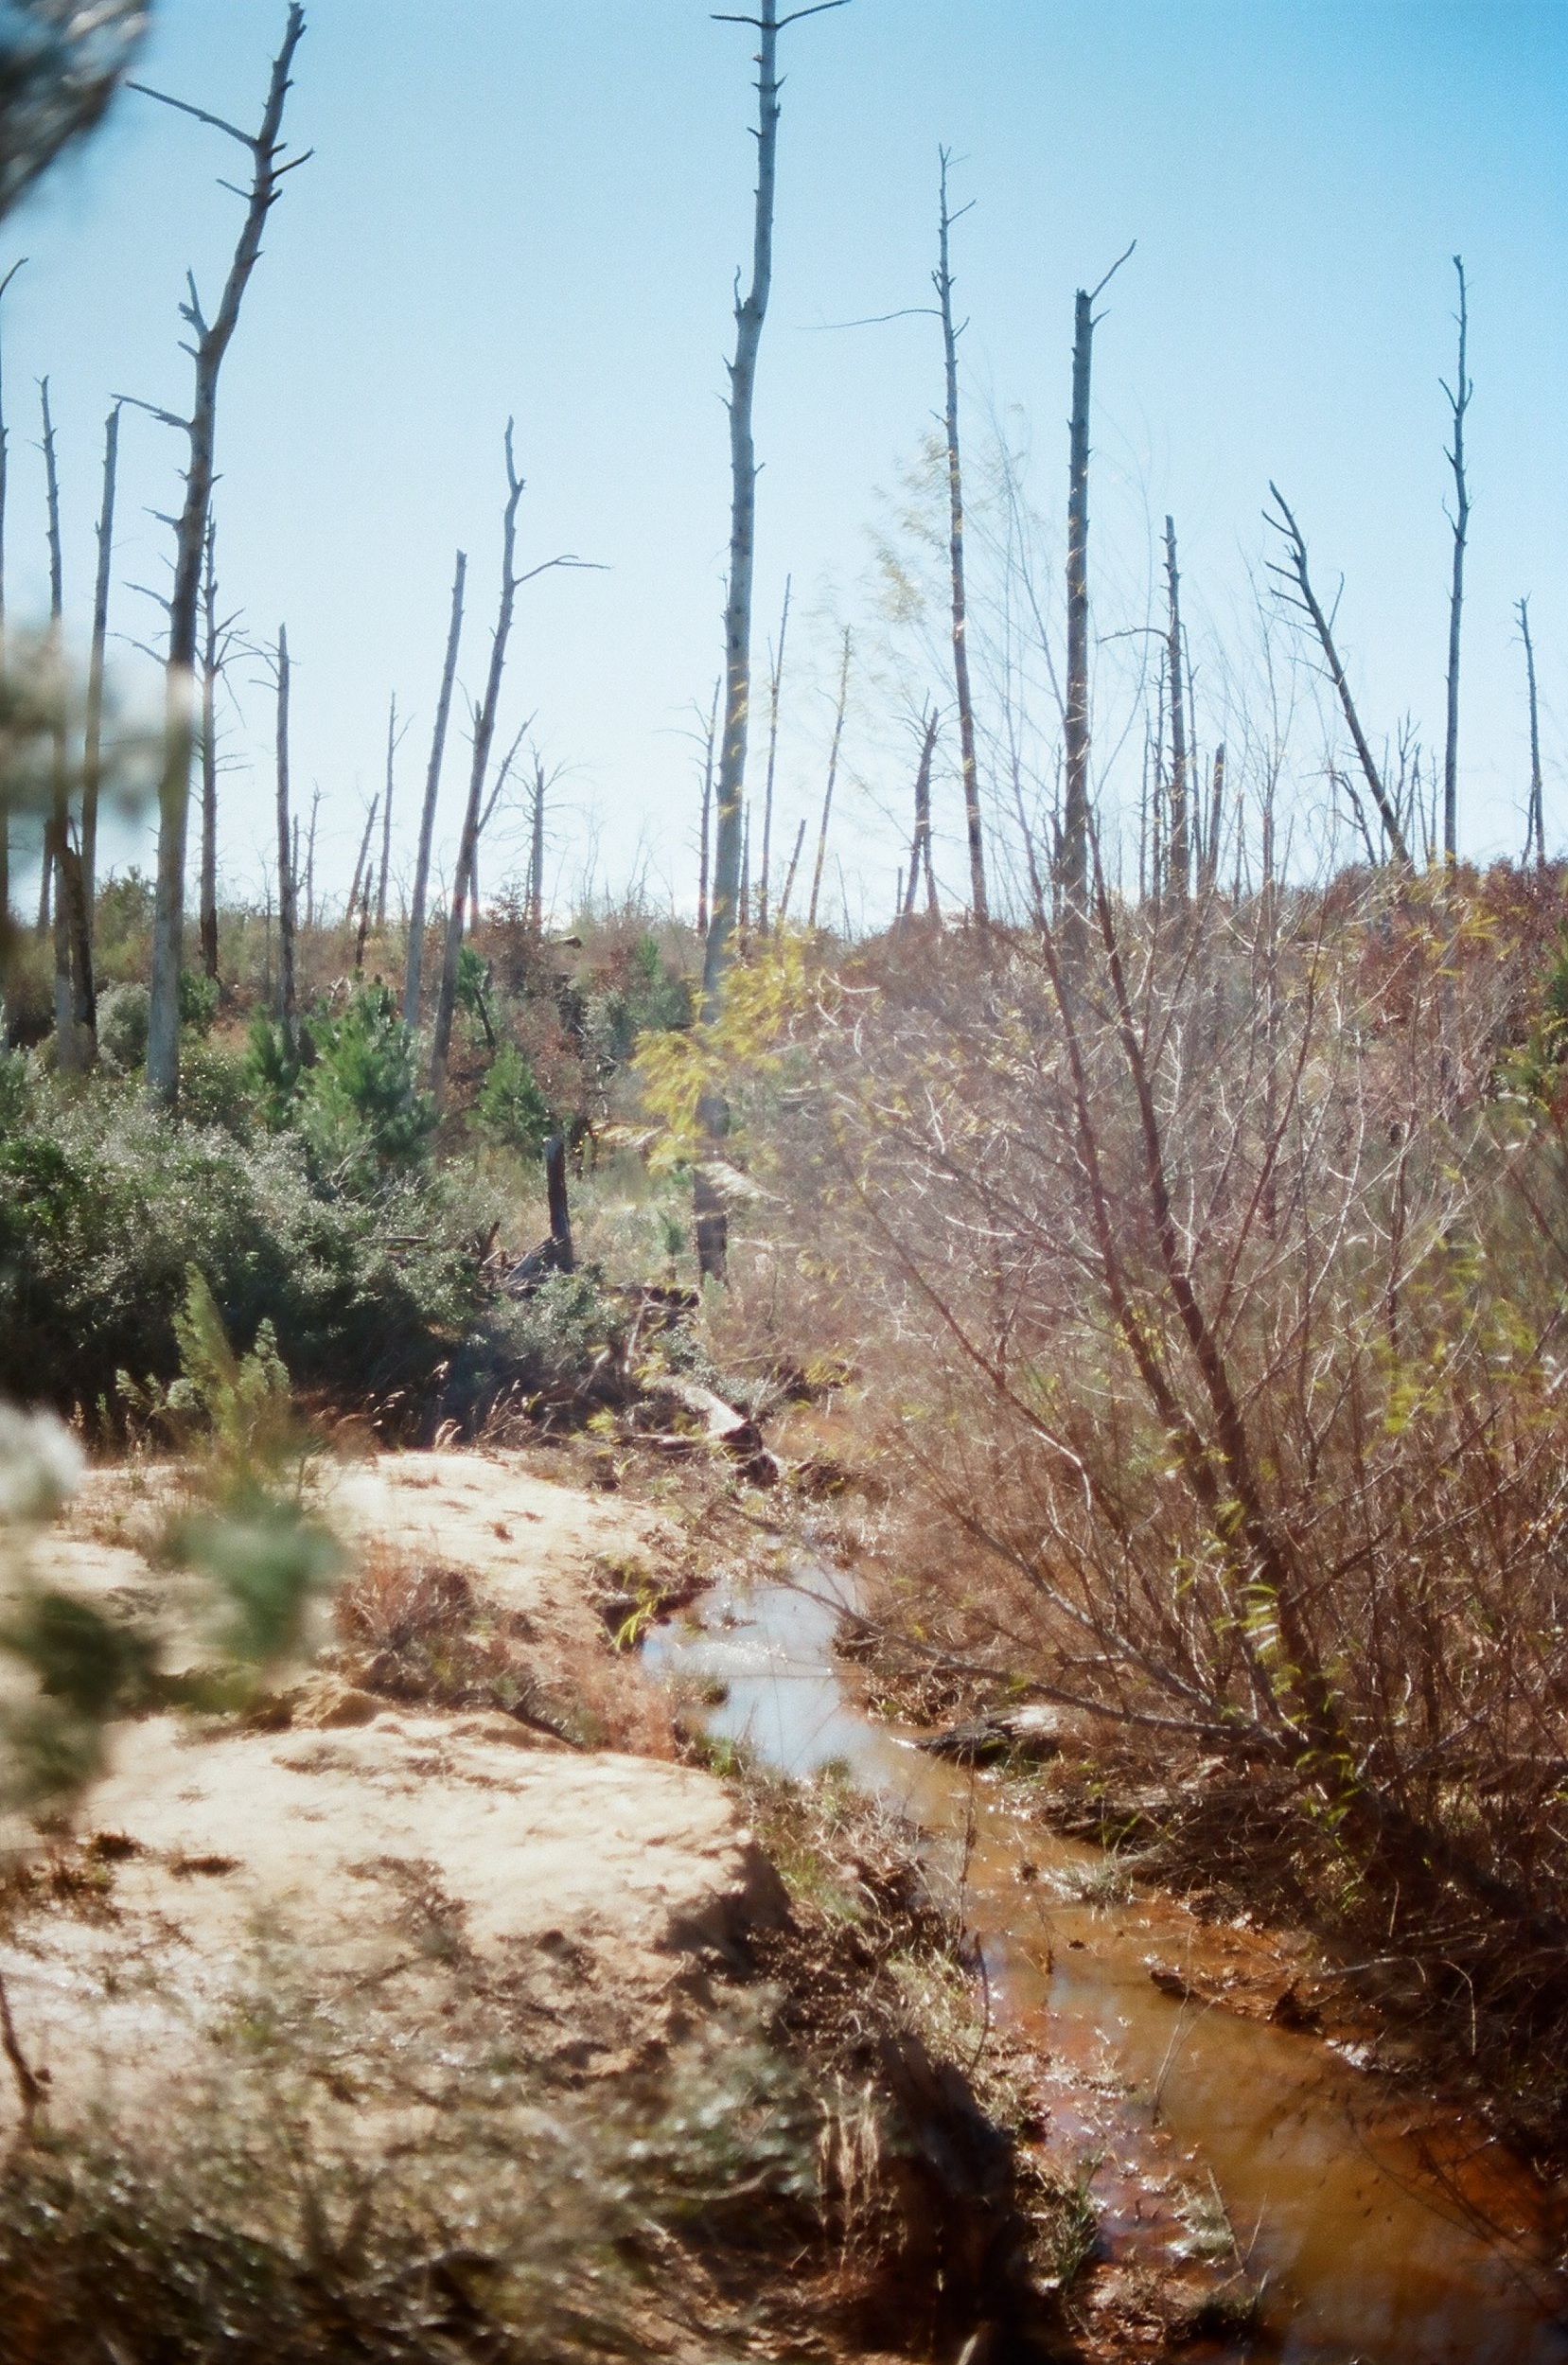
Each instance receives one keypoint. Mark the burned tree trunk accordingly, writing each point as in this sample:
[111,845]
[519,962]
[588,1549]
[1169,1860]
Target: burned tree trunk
[920,848]
[775,683]
[535,852]
[287,1011]
[212,340]
[789,876]
[705,838]
[485,731]
[5,816]
[213,656]
[1179,868]
[76,1006]
[831,779]
[711,1223]
[394,740]
[1071,867]
[1458,395]
[1303,596]
[943,280]
[1535,824]
[92,756]
[415,956]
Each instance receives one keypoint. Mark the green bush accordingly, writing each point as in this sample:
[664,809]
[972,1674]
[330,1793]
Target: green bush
[511,1110]
[104,1205]
[353,1094]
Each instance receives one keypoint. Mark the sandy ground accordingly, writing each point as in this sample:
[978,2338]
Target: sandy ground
[398,1870]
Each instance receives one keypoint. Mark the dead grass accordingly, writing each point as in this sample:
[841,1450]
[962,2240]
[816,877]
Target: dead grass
[418,1633]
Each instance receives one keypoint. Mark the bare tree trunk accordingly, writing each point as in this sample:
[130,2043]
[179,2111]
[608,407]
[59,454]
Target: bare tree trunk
[943,281]
[361,863]
[1180,860]
[212,340]
[535,856]
[1072,854]
[213,636]
[394,740]
[920,849]
[286,1012]
[485,731]
[92,759]
[789,877]
[310,863]
[775,683]
[831,779]
[1216,823]
[415,956]
[745,880]
[705,838]
[1535,825]
[712,1222]
[1306,600]
[1458,395]
[5,816]
[76,1006]
[562,1254]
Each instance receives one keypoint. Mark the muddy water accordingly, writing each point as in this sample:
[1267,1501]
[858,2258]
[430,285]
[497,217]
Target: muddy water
[1387,2234]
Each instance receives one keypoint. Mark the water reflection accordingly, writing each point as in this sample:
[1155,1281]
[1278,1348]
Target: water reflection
[1372,2252]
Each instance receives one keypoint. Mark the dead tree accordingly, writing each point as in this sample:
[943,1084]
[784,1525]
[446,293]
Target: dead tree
[5,816]
[789,876]
[709,746]
[287,1014]
[831,779]
[750,313]
[1458,397]
[76,1010]
[415,956]
[485,731]
[361,863]
[1535,824]
[92,756]
[212,338]
[394,741]
[1179,866]
[310,863]
[942,279]
[217,641]
[920,848]
[535,850]
[1302,594]
[1211,865]
[1071,867]
[775,683]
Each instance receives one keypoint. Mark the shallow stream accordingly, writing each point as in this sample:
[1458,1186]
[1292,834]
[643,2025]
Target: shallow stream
[1387,2232]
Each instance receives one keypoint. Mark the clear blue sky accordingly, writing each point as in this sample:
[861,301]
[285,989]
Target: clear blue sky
[525,206]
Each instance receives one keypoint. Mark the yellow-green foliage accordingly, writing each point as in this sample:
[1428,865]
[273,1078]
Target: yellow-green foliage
[769,1002]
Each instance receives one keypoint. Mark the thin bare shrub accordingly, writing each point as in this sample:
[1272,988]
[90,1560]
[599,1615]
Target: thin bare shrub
[1212,1290]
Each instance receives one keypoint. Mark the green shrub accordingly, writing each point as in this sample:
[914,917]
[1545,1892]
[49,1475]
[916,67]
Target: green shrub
[353,1094]
[511,1110]
[104,1205]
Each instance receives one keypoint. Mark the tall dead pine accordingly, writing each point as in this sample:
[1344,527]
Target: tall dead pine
[1071,866]
[1458,397]
[287,1013]
[485,731]
[211,341]
[943,280]
[415,956]
[1179,861]
[1535,823]
[1295,574]
[92,757]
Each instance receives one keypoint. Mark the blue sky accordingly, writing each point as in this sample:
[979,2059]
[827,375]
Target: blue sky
[519,206]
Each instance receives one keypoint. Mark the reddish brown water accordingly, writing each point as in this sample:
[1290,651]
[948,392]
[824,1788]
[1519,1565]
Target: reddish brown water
[1388,2232]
